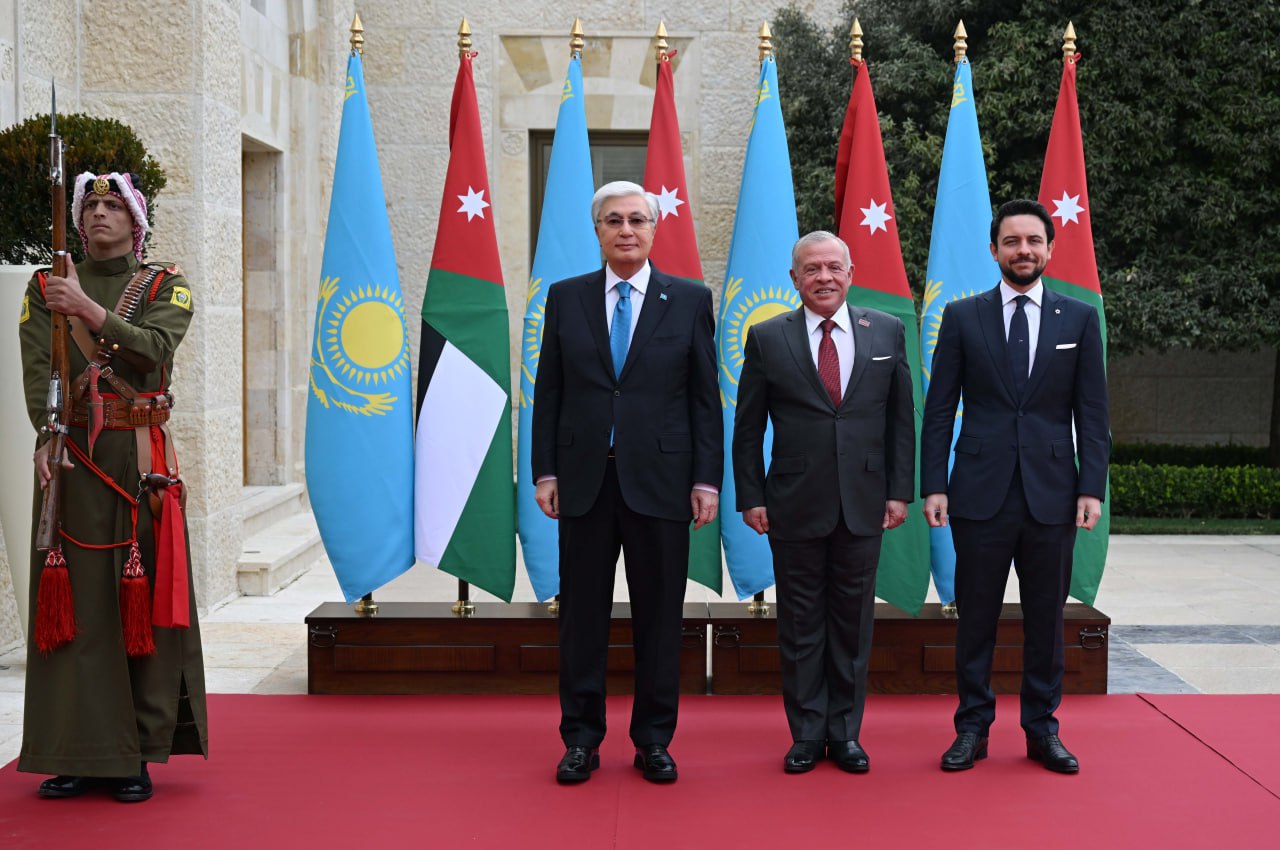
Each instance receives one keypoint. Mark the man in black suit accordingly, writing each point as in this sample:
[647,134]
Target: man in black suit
[1029,363]
[835,382]
[627,448]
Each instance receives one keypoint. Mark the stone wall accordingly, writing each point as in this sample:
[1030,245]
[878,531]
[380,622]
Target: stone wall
[1192,397]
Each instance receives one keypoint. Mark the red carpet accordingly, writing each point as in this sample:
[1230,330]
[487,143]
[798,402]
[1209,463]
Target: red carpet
[473,771]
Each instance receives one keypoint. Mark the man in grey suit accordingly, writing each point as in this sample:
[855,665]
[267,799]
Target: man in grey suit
[835,382]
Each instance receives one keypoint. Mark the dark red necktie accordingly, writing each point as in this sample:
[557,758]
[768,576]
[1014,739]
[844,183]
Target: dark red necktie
[829,362]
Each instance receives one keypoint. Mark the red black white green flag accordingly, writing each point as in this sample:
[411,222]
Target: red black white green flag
[1073,271]
[464,518]
[865,221]
[675,251]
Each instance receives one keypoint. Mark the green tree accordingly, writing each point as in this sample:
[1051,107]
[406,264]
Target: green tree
[1181,119]
[93,144]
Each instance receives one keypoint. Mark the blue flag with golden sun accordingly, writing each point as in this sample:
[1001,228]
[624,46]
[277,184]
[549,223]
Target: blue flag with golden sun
[567,246]
[959,265]
[757,286]
[359,454]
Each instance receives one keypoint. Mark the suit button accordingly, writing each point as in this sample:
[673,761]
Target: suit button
[1021,414]
[617,393]
[839,418]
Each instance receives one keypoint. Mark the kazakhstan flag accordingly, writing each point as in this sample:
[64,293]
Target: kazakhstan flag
[757,286]
[359,453]
[567,246]
[960,264]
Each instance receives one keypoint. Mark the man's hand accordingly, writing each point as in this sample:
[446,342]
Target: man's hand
[705,506]
[547,495]
[41,459]
[1088,509]
[935,509]
[64,295]
[757,519]
[895,513]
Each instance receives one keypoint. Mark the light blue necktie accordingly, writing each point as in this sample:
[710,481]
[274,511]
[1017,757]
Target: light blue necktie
[620,333]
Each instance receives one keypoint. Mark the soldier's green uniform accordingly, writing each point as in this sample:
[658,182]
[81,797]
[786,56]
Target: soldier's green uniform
[90,709]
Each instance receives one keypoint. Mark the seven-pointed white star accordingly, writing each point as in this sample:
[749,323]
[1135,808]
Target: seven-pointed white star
[1068,209]
[667,201]
[876,216]
[473,203]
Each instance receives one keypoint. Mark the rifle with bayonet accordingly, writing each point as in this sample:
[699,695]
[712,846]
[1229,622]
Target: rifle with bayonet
[48,535]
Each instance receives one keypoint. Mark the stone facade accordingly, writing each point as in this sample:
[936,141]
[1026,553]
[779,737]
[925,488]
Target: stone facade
[240,101]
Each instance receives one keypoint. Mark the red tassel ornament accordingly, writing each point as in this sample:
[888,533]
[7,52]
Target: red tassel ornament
[135,606]
[55,611]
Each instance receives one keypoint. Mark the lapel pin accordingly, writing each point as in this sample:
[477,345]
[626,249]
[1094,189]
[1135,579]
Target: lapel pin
[662,296]
[864,323]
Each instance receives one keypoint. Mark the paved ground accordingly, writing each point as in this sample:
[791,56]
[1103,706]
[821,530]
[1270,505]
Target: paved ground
[1189,614]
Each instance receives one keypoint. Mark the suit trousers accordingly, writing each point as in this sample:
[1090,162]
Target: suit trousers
[657,567]
[826,611]
[1041,554]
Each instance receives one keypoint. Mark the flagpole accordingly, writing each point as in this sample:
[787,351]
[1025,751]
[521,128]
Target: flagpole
[757,607]
[366,607]
[1069,44]
[855,42]
[961,47]
[463,606]
[576,43]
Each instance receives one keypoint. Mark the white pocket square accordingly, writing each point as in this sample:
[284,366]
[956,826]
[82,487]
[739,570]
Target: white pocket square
[885,357]
[1065,345]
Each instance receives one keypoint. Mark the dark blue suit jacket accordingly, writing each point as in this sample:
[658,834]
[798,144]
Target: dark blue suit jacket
[664,407]
[1068,382]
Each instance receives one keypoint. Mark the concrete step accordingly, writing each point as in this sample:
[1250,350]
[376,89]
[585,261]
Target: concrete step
[263,507]
[278,554]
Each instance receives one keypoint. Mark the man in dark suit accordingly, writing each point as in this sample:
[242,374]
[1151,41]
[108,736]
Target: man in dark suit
[1029,363]
[627,448]
[835,382]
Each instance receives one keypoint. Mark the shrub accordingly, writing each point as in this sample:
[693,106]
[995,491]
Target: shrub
[1144,490]
[93,144]
[1158,454]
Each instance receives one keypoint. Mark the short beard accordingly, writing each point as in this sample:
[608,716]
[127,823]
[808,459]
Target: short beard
[1021,279]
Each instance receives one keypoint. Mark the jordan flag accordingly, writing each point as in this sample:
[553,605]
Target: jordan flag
[675,251]
[464,519]
[1074,271]
[865,221]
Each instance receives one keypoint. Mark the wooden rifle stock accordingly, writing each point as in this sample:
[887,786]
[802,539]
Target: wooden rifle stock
[47,531]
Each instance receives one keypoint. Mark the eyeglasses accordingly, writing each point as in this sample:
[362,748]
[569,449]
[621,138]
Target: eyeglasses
[635,222]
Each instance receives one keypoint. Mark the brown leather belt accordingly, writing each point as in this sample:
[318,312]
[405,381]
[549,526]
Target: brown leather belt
[120,414]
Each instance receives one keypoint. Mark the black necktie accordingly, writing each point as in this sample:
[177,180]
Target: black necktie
[1019,344]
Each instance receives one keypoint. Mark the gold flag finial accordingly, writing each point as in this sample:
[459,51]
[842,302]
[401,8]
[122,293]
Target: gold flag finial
[961,46]
[464,37]
[1069,43]
[576,42]
[660,51]
[357,36]
[766,41]
[855,41]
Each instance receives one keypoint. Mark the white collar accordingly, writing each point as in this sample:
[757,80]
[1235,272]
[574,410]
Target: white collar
[840,317]
[639,281]
[1035,293]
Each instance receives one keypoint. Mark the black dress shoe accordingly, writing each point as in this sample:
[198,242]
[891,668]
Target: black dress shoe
[133,789]
[577,764]
[848,756]
[65,786]
[656,762]
[1050,751]
[967,748]
[803,756]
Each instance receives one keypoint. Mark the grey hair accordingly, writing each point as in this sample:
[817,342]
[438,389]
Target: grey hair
[814,238]
[623,189]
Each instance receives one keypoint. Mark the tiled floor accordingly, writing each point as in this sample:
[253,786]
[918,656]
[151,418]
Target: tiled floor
[1189,614]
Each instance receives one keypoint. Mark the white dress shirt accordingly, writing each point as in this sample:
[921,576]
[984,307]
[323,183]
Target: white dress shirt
[639,285]
[1032,309]
[841,335]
